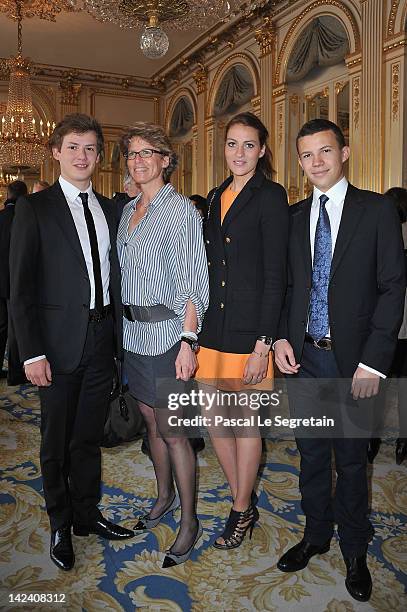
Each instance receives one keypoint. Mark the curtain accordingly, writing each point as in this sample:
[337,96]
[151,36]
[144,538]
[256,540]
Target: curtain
[323,43]
[235,90]
[182,118]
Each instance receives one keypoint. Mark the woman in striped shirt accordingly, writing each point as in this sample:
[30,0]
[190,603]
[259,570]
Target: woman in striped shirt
[164,294]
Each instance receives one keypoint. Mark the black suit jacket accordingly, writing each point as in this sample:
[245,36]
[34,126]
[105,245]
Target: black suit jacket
[366,289]
[6,220]
[50,286]
[247,258]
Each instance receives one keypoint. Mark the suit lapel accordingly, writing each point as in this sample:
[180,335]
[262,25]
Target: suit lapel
[242,199]
[353,210]
[59,207]
[303,224]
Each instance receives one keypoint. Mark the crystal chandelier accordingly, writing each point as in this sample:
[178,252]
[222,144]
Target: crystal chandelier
[23,143]
[175,14]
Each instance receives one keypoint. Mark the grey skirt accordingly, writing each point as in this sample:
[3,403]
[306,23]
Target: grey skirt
[151,378]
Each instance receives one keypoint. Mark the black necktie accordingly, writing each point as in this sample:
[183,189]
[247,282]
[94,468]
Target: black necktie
[95,253]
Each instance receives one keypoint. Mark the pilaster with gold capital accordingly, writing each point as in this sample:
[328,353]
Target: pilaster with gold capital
[279,138]
[266,39]
[372,93]
[210,126]
[395,132]
[70,93]
[195,188]
[201,82]
[355,168]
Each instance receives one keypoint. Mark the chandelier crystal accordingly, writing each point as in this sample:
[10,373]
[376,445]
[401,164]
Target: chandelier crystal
[173,14]
[23,142]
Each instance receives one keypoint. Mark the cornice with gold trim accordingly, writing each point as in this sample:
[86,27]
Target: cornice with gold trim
[86,77]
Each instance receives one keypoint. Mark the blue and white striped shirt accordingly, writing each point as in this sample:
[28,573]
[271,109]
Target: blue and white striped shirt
[162,261]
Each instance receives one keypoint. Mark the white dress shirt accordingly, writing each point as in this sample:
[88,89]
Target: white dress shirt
[334,208]
[74,202]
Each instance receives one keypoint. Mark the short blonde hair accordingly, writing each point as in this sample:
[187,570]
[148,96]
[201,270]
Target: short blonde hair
[157,138]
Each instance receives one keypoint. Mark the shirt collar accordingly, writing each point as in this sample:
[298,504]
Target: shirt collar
[70,191]
[336,193]
[159,197]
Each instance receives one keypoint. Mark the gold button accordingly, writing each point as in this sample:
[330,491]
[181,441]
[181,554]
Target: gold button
[223,283]
[223,262]
[222,305]
[207,242]
[209,263]
[227,239]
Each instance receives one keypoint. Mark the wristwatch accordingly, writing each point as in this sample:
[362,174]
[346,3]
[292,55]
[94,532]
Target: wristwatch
[192,343]
[266,339]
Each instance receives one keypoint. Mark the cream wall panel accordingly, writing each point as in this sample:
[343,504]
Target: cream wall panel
[117,110]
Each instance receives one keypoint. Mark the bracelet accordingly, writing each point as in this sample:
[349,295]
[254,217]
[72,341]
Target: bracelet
[260,354]
[189,334]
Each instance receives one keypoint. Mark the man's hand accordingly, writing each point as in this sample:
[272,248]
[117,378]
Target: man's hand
[364,384]
[284,357]
[39,373]
[185,363]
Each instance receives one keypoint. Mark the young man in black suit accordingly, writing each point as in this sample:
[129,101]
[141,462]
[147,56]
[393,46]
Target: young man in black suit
[15,374]
[343,310]
[66,304]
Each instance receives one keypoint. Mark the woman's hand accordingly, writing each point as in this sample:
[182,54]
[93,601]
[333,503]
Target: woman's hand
[185,363]
[255,369]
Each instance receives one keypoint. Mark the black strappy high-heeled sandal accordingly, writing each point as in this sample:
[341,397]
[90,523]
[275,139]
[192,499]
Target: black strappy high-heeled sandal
[236,527]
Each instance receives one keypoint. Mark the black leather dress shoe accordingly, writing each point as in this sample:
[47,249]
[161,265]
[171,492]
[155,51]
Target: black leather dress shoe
[298,556]
[358,580]
[61,550]
[104,529]
[401,450]
[373,448]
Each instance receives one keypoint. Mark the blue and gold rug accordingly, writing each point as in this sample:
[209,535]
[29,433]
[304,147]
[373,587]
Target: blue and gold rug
[116,576]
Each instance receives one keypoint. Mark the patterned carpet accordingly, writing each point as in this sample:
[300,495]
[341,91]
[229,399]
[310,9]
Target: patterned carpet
[128,575]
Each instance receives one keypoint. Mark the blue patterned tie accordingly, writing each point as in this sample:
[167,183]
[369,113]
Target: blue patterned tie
[318,322]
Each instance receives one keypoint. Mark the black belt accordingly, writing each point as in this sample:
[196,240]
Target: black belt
[95,316]
[324,344]
[148,314]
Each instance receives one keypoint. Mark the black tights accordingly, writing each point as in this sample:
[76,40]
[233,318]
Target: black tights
[173,458]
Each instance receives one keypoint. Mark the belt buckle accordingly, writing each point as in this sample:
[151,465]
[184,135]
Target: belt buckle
[145,314]
[324,344]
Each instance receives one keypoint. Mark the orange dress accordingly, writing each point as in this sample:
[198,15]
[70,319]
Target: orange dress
[225,370]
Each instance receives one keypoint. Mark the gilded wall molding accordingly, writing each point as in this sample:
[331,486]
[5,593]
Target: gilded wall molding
[391,46]
[70,90]
[200,77]
[303,16]
[356,101]
[280,124]
[392,18]
[236,58]
[184,92]
[266,37]
[395,91]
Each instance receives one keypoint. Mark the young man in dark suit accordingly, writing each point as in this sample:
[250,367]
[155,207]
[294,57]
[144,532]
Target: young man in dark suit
[343,310]
[65,299]
[15,374]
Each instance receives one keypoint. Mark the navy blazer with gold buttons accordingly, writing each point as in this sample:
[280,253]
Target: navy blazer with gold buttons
[247,262]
